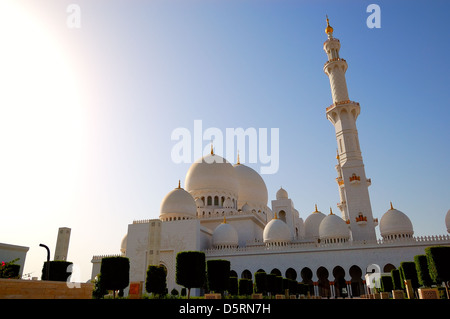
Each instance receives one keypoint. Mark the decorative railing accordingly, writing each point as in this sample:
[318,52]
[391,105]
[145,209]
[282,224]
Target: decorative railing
[310,246]
[341,103]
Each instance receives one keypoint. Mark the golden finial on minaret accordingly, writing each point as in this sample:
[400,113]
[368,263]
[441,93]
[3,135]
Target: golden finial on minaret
[328,29]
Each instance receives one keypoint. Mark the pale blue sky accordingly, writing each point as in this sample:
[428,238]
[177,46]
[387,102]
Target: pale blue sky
[88,113]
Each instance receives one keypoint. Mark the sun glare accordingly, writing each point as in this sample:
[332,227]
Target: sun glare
[41,128]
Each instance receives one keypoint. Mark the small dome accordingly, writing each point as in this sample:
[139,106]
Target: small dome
[395,224]
[252,188]
[333,229]
[123,244]
[212,172]
[178,204]
[312,224]
[447,220]
[246,208]
[277,232]
[282,194]
[225,236]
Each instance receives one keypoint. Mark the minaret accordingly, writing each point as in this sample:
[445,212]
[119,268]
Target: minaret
[352,182]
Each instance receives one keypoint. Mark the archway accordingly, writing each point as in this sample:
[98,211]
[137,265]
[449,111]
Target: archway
[282,215]
[340,287]
[323,282]
[388,268]
[307,275]
[233,273]
[246,274]
[291,274]
[356,280]
[276,272]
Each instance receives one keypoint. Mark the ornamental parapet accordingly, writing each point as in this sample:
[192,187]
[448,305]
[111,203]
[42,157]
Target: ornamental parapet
[304,246]
[342,103]
[334,60]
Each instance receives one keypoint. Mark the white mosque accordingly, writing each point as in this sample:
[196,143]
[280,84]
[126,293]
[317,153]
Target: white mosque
[223,211]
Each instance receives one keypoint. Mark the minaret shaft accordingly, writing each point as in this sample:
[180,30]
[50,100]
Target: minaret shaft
[352,182]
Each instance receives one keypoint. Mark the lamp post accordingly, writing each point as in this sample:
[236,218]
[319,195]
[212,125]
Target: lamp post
[48,260]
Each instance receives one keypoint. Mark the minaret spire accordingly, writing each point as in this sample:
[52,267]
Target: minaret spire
[352,181]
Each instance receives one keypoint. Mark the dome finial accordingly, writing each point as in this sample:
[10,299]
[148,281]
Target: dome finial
[331,211]
[328,29]
[392,207]
[238,160]
[212,149]
[275,217]
[224,220]
[315,205]
[179,184]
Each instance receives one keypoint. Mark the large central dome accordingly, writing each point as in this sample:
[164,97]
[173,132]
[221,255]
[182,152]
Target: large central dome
[212,172]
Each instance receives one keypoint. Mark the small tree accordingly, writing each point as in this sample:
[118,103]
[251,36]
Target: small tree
[408,272]
[233,286]
[423,274]
[396,281]
[386,283]
[190,269]
[218,273]
[245,287]
[156,280]
[271,284]
[9,269]
[261,283]
[438,258]
[115,273]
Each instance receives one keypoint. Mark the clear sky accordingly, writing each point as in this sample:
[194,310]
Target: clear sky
[86,114]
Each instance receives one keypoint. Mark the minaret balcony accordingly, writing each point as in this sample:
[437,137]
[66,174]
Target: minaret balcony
[342,103]
[354,179]
[340,181]
[361,219]
[333,60]
[341,205]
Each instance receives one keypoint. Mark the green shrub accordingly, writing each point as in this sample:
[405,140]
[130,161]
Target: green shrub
[408,272]
[233,286]
[190,269]
[115,273]
[396,281]
[438,258]
[423,274]
[245,287]
[218,273]
[386,283]
[261,283]
[156,280]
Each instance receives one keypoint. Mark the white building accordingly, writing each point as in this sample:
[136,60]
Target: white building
[223,211]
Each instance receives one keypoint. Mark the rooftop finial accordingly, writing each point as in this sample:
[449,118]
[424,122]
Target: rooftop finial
[331,211]
[238,160]
[212,149]
[179,183]
[328,29]
[392,207]
[315,205]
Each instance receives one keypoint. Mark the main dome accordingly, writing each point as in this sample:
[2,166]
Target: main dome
[252,189]
[212,172]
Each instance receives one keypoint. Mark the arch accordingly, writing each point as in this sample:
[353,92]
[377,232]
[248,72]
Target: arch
[356,282]
[209,203]
[339,282]
[291,274]
[246,274]
[216,200]
[276,272]
[233,273]
[388,267]
[282,215]
[323,282]
[261,270]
